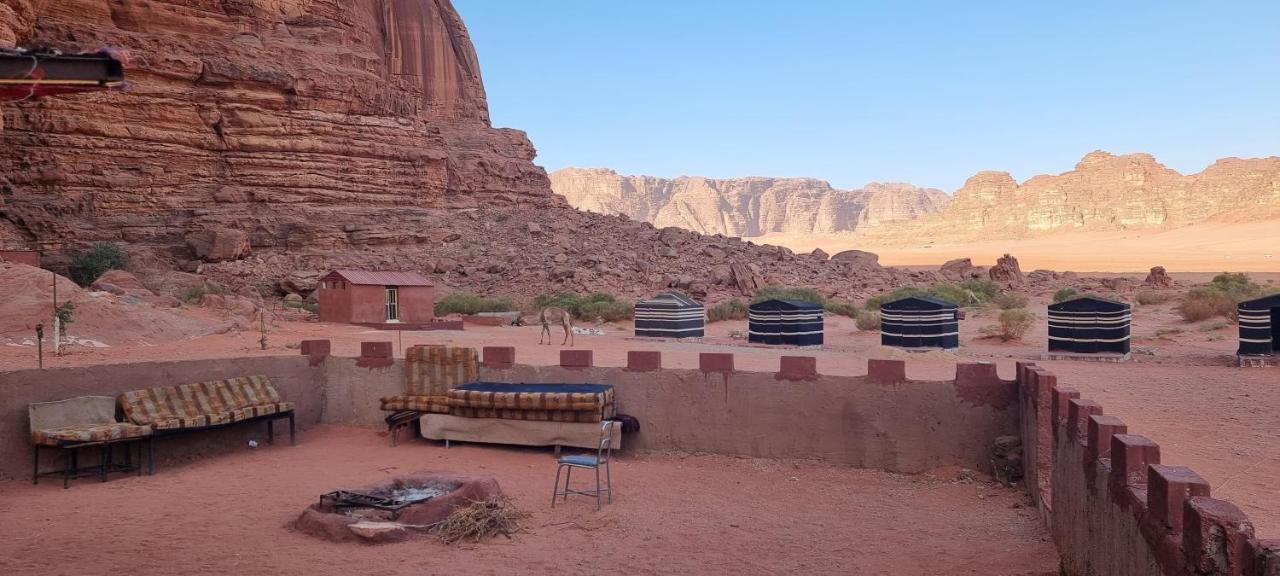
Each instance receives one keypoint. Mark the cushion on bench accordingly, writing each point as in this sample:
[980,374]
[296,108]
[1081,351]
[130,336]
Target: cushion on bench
[98,433]
[546,398]
[416,403]
[79,420]
[204,403]
[540,415]
[430,372]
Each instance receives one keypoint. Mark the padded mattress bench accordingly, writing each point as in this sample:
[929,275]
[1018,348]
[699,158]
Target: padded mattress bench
[207,406]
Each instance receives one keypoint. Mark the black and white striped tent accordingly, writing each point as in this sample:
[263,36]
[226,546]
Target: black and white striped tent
[785,322]
[919,322]
[1089,325]
[670,315]
[1260,326]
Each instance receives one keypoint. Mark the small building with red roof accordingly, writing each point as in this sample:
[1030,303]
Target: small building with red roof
[376,298]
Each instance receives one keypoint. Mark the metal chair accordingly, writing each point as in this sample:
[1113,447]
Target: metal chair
[604,450]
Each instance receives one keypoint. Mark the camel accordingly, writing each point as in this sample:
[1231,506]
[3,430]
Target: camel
[550,315]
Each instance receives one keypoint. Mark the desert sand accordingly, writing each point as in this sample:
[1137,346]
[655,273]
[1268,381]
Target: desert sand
[1206,247]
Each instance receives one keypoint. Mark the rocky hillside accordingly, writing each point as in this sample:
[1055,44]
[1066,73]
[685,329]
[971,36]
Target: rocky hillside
[263,142]
[1103,192]
[744,206]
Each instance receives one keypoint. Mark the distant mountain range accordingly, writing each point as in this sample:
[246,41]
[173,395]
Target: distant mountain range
[1103,192]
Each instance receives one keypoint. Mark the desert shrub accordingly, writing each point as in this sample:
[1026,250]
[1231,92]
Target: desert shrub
[867,320]
[607,311]
[87,265]
[734,309]
[1010,301]
[841,307]
[597,305]
[954,294]
[874,302]
[1206,302]
[1238,285]
[788,293]
[65,314]
[1065,294]
[196,294]
[983,290]
[1150,297]
[308,305]
[1014,323]
[465,303]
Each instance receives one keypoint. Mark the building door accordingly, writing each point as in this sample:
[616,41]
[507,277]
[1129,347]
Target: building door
[393,304]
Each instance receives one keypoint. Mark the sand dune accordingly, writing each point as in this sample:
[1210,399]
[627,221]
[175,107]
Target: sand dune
[1207,247]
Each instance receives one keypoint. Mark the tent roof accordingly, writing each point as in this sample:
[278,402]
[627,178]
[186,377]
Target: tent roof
[668,298]
[381,278]
[1263,303]
[1090,304]
[918,303]
[26,74]
[776,304]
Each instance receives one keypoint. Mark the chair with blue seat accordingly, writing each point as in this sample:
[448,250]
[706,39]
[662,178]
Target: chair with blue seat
[591,462]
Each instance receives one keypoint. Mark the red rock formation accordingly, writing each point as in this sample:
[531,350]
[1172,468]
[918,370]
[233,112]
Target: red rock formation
[744,206]
[1006,272]
[1158,278]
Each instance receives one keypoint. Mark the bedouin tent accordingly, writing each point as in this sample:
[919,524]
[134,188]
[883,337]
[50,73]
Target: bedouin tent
[670,315]
[919,322]
[1260,326]
[785,322]
[1089,325]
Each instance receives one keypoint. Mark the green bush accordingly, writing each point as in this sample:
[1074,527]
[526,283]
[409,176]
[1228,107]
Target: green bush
[1010,301]
[465,303]
[841,307]
[1207,302]
[867,320]
[983,290]
[1014,323]
[1238,285]
[788,293]
[878,300]
[734,309]
[66,314]
[308,305]
[1065,294]
[954,294]
[87,265]
[597,305]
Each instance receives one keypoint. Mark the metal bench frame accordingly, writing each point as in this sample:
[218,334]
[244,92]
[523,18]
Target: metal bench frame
[106,460]
[271,433]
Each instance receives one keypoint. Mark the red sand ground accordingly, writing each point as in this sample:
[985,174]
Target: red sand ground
[672,515]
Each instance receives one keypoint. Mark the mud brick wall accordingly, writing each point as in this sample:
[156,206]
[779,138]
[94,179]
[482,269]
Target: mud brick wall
[297,379]
[882,420]
[1113,507]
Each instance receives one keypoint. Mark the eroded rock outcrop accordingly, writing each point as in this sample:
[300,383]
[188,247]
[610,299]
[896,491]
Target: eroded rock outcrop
[744,206]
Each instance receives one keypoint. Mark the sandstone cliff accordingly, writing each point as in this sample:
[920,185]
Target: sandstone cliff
[1103,192]
[744,206]
[262,142]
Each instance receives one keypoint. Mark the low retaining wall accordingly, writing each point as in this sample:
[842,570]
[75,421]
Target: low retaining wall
[1113,507]
[297,379]
[881,421]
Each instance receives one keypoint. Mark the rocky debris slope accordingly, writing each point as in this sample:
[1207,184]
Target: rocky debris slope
[118,311]
[744,206]
[1103,192]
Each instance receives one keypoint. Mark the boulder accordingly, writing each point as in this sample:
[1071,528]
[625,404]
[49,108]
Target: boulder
[219,244]
[1006,272]
[118,279]
[957,270]
[1158,278]
[819,255]
[858,258]
[301,282]
[1119,284]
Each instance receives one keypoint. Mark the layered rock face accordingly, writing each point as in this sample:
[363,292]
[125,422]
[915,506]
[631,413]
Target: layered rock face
[1103,192]
[306,124]
[744,206]
[262,143]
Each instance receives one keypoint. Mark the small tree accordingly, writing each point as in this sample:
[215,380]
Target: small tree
[1064,294]
[88,265]
[1014,323]
[65,313]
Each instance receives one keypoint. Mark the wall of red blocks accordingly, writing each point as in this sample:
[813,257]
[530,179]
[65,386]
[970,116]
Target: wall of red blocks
[1113,507]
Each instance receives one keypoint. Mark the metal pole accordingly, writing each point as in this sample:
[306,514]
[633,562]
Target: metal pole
[40,345]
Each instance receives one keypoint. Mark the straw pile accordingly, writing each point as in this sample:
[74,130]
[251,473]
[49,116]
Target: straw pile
[480,520]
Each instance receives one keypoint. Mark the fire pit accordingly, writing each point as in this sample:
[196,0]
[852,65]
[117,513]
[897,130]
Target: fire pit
[394,510]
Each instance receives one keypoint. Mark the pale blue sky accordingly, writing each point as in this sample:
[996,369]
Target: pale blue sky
[924,92]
